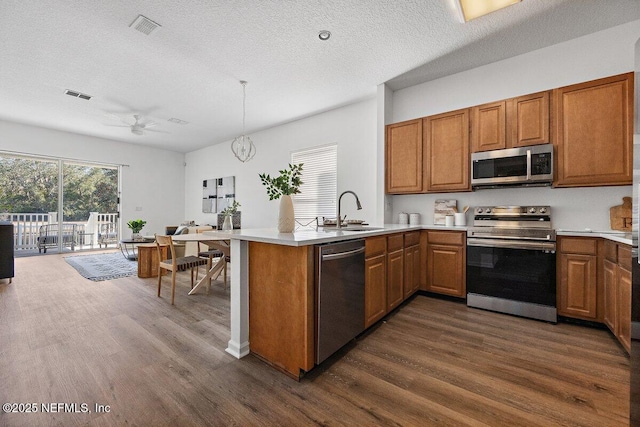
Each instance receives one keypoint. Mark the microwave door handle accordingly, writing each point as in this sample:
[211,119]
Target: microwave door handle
[528,165]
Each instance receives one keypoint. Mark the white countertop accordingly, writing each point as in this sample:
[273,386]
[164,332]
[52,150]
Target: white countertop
[304,237]
[615,236]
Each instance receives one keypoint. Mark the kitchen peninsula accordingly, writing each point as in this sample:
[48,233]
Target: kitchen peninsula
[278,270]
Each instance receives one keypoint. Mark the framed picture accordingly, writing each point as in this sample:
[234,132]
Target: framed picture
[442,208]
[218,193]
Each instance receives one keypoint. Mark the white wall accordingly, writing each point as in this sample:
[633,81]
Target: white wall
[352,128]
[153,181]
[586,58]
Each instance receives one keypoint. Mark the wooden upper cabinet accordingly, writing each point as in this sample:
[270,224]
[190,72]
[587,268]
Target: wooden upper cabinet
[516,122]
[403,157]
[446,163]
[488,131]
[593,131]
[528,120]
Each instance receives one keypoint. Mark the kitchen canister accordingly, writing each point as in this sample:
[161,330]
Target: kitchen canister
[460,219]
[403,218]
[414,219]
[448,221]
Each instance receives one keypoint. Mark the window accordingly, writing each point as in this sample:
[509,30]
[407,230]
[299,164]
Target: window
[317,196]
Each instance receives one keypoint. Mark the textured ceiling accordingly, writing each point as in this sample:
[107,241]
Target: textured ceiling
[190,68]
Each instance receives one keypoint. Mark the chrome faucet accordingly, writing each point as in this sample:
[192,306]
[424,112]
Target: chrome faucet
[339,219]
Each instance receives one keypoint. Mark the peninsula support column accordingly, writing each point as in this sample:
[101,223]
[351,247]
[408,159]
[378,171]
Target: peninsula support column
[238,345]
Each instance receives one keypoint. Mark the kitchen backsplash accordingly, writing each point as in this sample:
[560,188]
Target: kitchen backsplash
[572,208]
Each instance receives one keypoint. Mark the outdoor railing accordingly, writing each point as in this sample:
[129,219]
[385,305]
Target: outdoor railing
[26,227]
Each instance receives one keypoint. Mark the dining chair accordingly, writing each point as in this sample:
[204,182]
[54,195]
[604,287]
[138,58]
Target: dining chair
[174,264]
[208,253]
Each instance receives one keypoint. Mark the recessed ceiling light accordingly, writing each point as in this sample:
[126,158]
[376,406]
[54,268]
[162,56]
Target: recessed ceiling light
[324,35]
[472,9]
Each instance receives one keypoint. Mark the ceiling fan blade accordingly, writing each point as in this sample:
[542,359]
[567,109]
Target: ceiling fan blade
[119,126]
[148,125]
[116,116]
[155,130]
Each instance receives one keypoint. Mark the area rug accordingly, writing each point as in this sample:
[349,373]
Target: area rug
[103,266]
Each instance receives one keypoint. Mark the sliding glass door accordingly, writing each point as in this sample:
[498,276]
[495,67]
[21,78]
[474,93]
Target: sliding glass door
[90,205]
[58,205]
[29,198]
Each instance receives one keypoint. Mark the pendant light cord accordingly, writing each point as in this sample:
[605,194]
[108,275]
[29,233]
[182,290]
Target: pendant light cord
[244,100]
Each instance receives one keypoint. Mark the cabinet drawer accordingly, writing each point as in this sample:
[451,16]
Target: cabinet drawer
[611,251]
[375,246]
[446,238]
[579,245]
[624,256]
[411,239]
[395,242]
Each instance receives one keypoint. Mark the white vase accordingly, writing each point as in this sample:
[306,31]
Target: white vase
[286,218]
[227,225]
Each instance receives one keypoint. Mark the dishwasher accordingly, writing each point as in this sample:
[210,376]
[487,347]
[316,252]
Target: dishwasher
[339,295]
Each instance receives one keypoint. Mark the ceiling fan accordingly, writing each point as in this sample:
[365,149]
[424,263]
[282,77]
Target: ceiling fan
[139,126]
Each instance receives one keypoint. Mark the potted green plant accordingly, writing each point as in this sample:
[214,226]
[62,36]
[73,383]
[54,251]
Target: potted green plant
[136,226]
[282,187]
[228,213]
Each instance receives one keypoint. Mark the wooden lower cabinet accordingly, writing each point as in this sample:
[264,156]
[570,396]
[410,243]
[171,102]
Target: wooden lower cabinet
[392,272]
[395,270]
[617,291]
[446,263]
[594,283]
[411,270]
[577,290]
[375,291]
[610,294]
[395,276]
[624,308]
[282,306]
[579,294]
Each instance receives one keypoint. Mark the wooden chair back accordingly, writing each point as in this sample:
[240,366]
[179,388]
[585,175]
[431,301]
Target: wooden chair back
[162,240]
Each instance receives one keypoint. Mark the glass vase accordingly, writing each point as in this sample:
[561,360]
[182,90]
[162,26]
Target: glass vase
[227,224]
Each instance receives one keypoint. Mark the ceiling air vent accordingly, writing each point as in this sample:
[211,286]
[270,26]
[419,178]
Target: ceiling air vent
[144,25]
[76,94]
[178,121]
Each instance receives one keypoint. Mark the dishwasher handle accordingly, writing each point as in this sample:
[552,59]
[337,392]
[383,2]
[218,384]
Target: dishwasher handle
[341,255]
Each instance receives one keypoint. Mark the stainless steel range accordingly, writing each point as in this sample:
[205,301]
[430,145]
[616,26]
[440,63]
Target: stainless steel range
[511,261]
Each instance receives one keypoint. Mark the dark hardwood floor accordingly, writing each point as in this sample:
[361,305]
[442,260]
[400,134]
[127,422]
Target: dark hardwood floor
[64,339]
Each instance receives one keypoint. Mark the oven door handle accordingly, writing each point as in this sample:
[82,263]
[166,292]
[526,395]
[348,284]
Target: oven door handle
[511,244]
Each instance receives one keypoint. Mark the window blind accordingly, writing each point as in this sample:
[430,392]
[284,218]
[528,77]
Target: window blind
[317,196]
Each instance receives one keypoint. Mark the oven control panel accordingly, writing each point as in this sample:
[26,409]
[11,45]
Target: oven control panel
[509,211]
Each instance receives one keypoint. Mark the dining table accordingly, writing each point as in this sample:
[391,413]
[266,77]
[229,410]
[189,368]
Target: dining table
[210,239]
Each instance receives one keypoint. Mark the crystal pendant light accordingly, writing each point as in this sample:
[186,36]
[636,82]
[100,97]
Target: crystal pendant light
[242,146]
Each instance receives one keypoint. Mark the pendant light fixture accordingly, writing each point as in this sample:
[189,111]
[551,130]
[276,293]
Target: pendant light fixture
[242,146]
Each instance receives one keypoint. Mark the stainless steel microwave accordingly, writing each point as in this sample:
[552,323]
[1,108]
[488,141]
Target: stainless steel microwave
[513,166]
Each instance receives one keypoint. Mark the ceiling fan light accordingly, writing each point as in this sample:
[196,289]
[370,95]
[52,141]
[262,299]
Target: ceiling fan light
[472,9]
